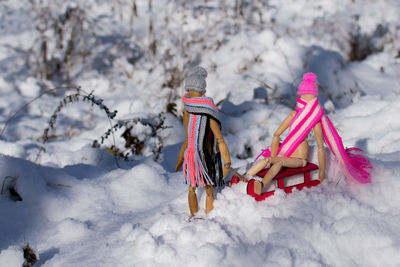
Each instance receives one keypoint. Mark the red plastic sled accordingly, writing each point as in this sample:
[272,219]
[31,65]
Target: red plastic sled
[280,178]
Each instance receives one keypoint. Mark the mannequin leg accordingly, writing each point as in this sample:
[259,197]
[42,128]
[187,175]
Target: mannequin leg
[277,164]
[258,166]
[209,198]
[192,199]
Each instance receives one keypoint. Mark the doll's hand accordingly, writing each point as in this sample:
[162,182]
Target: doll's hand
[178,164]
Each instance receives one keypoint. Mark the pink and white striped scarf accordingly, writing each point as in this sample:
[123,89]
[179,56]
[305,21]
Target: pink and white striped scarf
[308,114]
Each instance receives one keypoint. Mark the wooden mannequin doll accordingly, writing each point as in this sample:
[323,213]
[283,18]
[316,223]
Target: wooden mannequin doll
[293,152]
[201,152]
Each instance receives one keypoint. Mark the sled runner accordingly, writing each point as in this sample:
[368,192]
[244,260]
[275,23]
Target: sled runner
[280,180]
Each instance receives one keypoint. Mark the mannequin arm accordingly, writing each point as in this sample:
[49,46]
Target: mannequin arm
[184,145]
[223,148]
[284,125]
[321,151]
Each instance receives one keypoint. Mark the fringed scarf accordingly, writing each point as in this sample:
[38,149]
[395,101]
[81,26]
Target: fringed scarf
[200,166]
[308,114]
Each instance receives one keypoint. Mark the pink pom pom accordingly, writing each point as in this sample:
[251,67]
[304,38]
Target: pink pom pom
[309,76]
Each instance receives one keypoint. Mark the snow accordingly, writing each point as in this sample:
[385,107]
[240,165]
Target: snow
[29,87]
[82,208]
[12,256]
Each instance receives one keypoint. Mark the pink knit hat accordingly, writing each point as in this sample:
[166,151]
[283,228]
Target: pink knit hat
[308,85]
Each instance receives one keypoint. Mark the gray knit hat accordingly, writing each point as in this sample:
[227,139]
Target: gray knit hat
[195,82]
[199,71]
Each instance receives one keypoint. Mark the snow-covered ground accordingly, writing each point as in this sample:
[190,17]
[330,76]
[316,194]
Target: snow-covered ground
[79,208]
